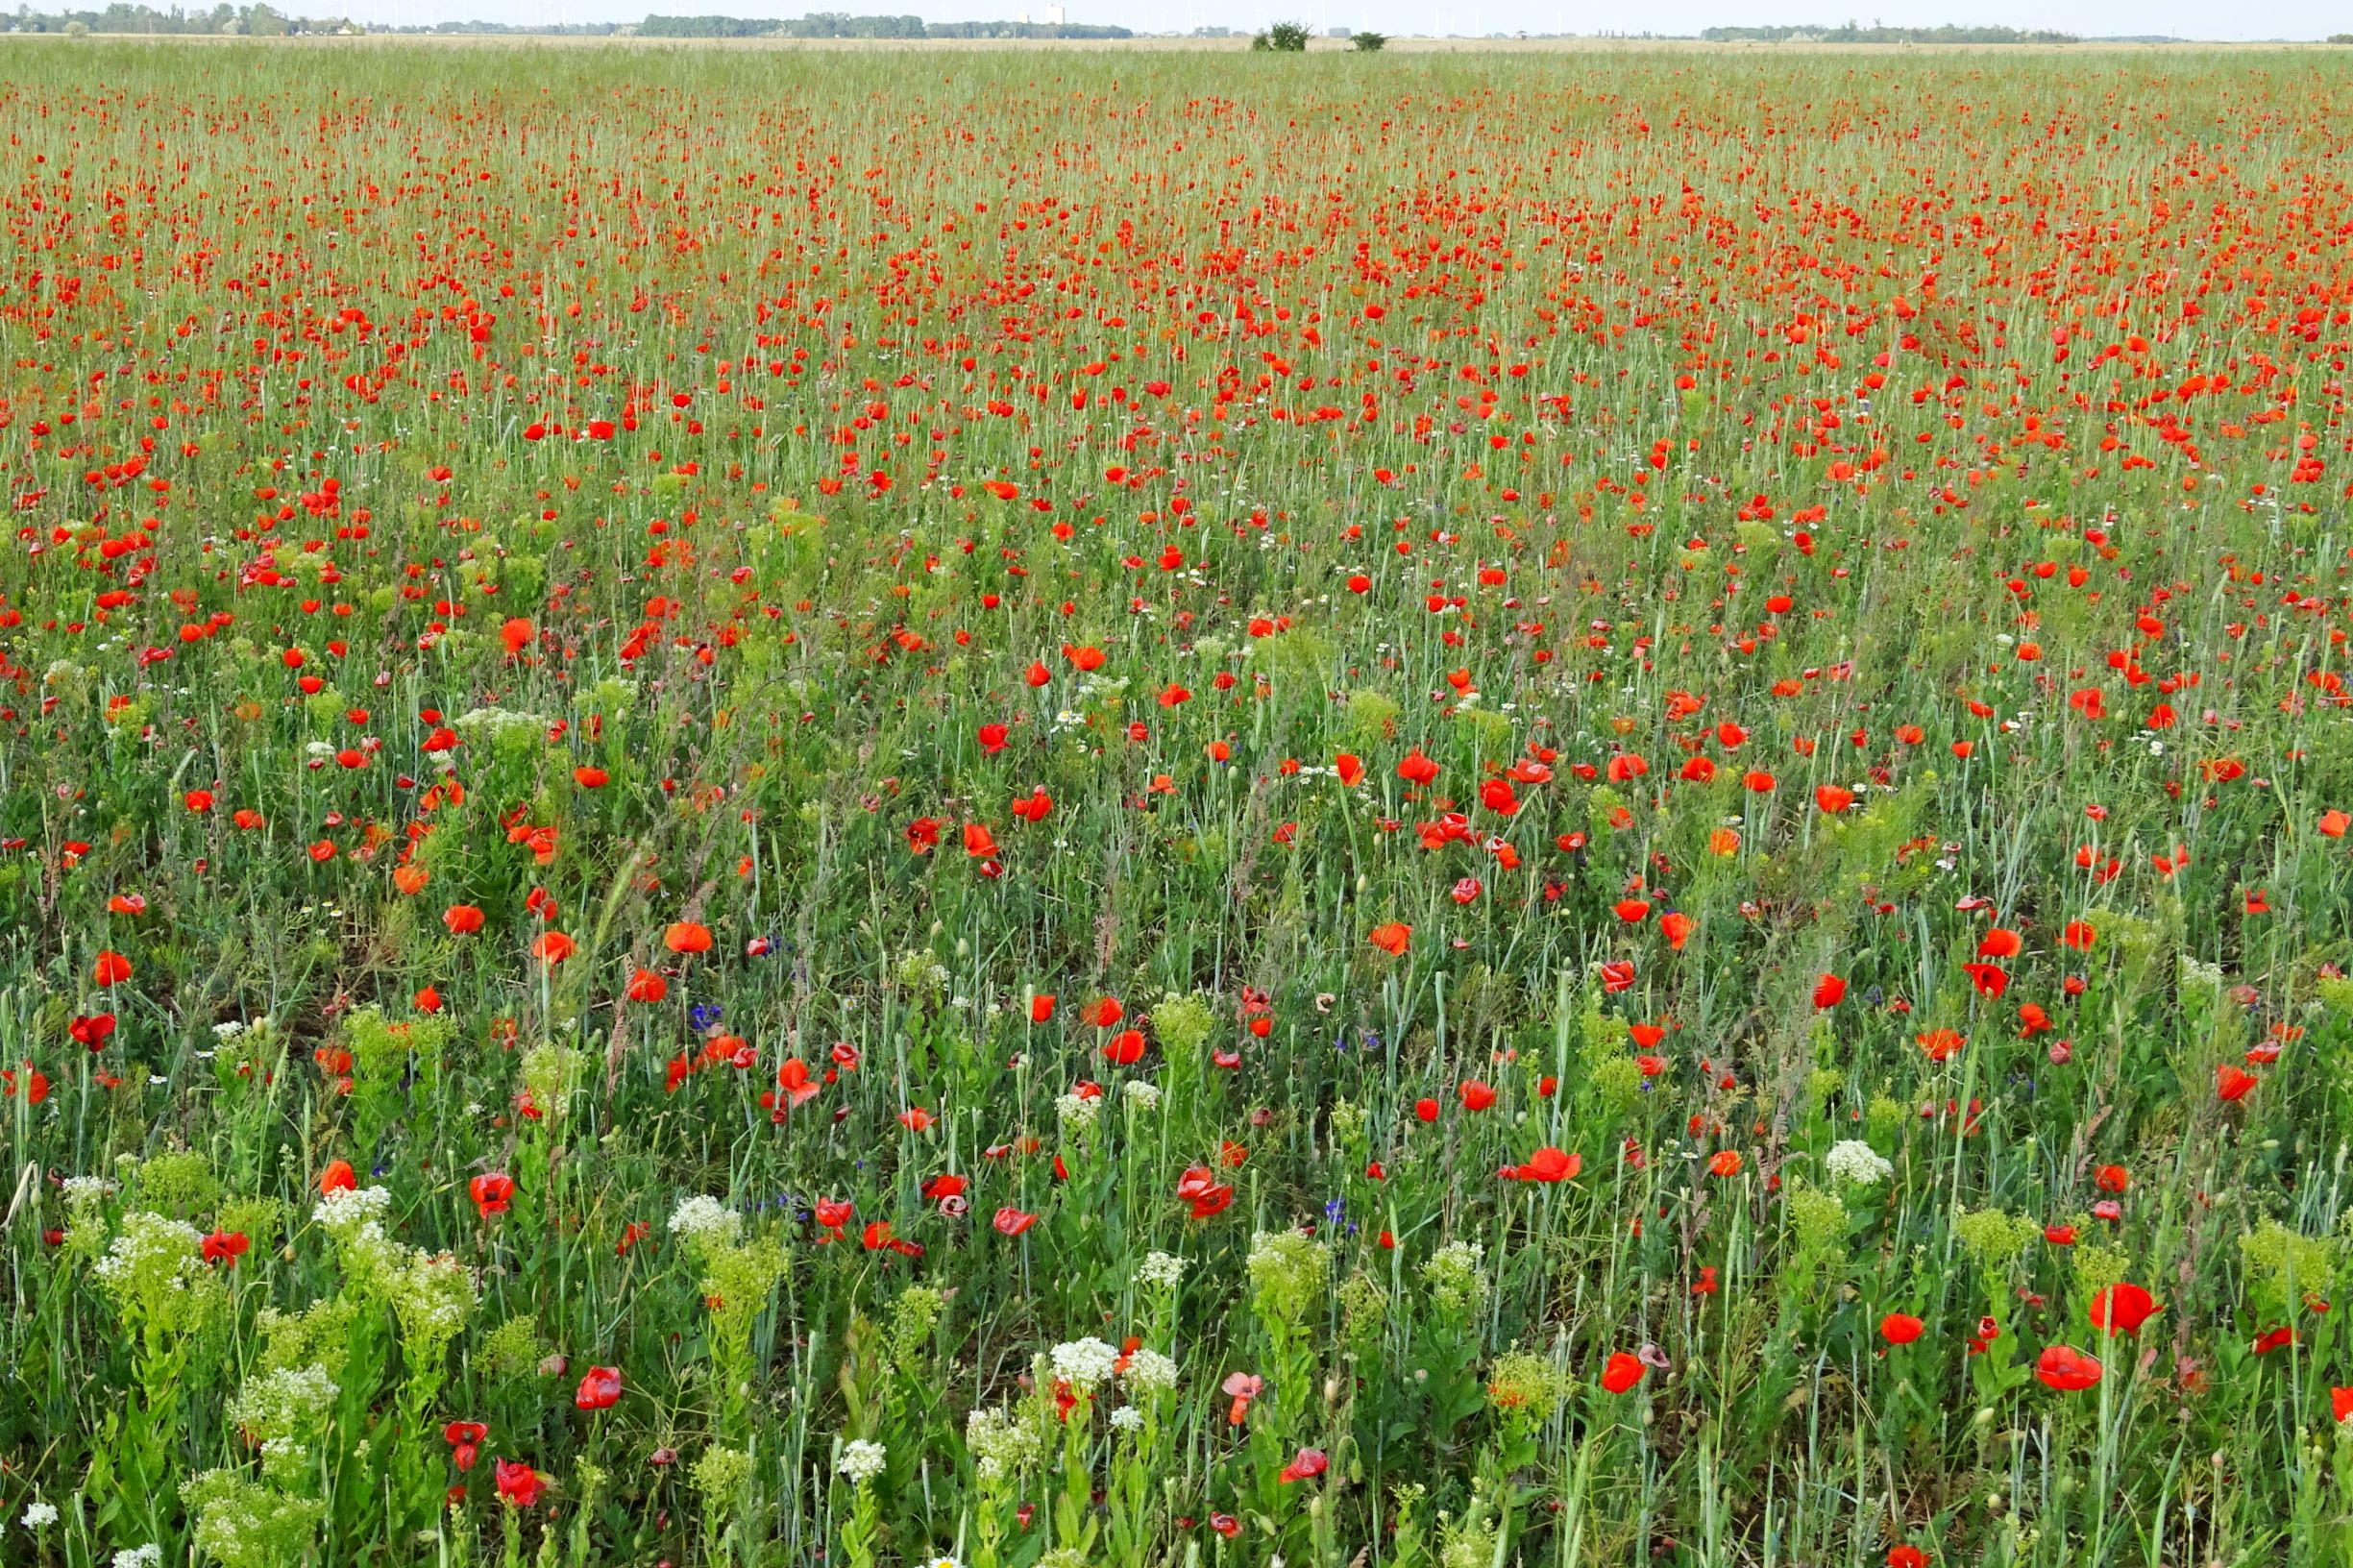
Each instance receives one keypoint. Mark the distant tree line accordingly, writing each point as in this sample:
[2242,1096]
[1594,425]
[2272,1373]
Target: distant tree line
[259,21]
[1853,33]
[834,24]
[263,21]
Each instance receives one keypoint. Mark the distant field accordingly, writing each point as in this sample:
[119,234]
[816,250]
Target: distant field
[1547,804]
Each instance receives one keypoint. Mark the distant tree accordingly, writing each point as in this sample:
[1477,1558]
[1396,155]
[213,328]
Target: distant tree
[1282,38]
[1370,44]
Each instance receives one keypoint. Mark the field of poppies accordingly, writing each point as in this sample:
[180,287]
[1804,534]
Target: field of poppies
[1112,810]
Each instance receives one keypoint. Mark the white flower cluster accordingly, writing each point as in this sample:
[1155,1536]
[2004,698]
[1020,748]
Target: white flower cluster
[149,1555]
[1455,1276]
[39,1515]
[432,1296]
[347,1210]
[701,1218]
[286,1401]
[1161,1269]
[1084,1363]
[84,1189]
[150,1249]
[1149,1372]
[1127,1418]
[1078,1112]
[1144,1096]
[1857,1162]
[1000,1445]
[497,722]
[862,1460]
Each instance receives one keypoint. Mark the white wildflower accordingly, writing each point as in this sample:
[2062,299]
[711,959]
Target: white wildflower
[1144,1096]
[1857,1162]
[999,1443]
[288,1400]
[1084,1363]
[1160,1269]
[862,1461]
[1148,1371]
[701,1218]
[348,1209]
[38,1515]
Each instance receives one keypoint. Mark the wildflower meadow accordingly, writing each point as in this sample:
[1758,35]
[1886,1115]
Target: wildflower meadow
[1093,810]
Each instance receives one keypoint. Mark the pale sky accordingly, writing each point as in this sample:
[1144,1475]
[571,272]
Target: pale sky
[2291,20]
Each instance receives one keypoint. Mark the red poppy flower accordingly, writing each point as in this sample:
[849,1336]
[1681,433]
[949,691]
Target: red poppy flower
[600,1388]
[1901,1328]
[1014,1221]
[2122,1307]
[687,937]
[1623,1370]
[227,1247]
[2068,1369]
[1200,1187]
[1391,938]
[1306,1465]
[1550,1165]
[794,1083]
[111,968]
[465,1438]
[1990,979]
[493,1191]
[519,1484]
